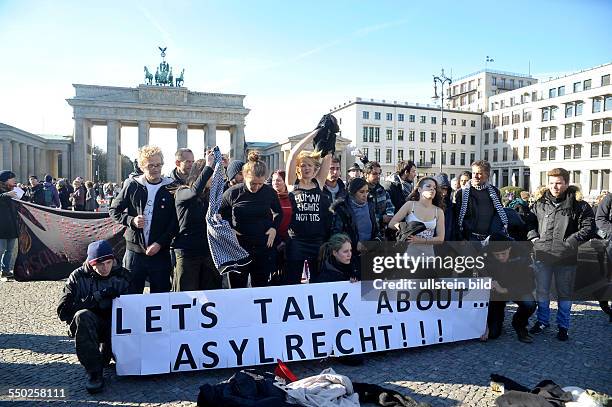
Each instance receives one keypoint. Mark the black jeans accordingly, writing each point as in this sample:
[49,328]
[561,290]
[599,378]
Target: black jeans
[194,272]
[297,252]
[89,331]
[154,268]
[263,264]
[495,317]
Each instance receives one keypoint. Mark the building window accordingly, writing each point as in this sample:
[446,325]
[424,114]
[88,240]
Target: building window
[472,158]
[595,127]
[411,155]
[400,117]
[453,122]
[443,137]
[494,155]
[594,150]
[453,138]
[389,116]
[464,123]
[605,80]
[578,111]
[444,121]
[443,157]
[388,155]
[371,135]
[400,154]
[494,80]
[423,119]
[526,132]
[552,93]
[432,157]
[569,110]
[505,154]
[505,120]
[376,115]
[543,153]
[400,135]
[366,115]
[411,118]
[389,134]
[462,159]
[422,157]
[586,85]
[607,127]
[433,136]
[553,133]
[561,90]
[515,154]
[422,137]
[365,134]
[567,152]
[463,139]
[495,137]
[411,135]
[553,112]
[433,120]
[486,155]
[605,149]
[486,139]
[503,83]
[552,151]
[473,123]
[365,151]
[577,129]
[515,134]
[452,158]
[545,114]
[526,116]
[377,135]
[577,150]
[473,139]
[568,131]
[608,103]
[505,136]
[577,87]
[525,152]
[377,154]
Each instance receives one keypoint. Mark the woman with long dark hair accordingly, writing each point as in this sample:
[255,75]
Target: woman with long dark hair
[425,204]
[254,211]
[194,268]
[335,260]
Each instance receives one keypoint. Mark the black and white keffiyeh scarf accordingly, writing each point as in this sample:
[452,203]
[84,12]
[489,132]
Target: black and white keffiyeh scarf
[465,195]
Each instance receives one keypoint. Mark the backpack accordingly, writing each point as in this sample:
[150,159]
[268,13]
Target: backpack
[48,195]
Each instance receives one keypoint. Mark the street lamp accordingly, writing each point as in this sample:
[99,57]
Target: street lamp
[442,79]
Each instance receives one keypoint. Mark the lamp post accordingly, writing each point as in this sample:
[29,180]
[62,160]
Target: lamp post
[442,79]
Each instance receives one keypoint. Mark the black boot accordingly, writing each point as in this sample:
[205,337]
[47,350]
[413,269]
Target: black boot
[95,382]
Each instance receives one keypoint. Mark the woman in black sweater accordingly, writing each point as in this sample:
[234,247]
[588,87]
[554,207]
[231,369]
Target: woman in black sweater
[335,259]
[194,267]
[254,211]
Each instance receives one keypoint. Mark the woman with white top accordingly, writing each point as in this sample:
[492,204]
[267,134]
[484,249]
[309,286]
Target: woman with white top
[424,205]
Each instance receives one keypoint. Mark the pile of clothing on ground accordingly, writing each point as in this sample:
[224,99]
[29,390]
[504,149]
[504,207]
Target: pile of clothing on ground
[545,394]
[255,388]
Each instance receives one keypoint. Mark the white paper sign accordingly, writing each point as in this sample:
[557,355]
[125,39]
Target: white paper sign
[200,330]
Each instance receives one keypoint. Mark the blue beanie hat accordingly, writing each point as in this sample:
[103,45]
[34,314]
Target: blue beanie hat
[234,168]
[6,175]
[99,251]
[48,178]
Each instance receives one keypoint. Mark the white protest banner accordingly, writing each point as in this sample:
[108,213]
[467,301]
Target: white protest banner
[199,330]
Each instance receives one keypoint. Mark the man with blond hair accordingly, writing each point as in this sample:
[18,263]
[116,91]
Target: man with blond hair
[146,207]
[564,222]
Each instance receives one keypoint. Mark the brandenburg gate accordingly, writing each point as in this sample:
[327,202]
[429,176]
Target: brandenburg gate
[165,104]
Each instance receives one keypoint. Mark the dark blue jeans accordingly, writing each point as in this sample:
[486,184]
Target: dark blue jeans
[154,268]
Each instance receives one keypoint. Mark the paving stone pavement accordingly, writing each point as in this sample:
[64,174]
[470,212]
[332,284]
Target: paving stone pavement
[36,353]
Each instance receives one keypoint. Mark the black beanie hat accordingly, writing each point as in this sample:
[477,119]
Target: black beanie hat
[234,167]
[356,184]
[6,175]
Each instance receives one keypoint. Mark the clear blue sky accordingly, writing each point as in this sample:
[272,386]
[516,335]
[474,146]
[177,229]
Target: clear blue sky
[293,60]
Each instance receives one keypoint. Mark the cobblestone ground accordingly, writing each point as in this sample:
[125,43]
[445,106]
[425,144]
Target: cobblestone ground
[36,353]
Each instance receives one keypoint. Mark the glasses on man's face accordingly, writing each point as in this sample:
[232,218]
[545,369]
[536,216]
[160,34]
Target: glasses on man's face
[155,166]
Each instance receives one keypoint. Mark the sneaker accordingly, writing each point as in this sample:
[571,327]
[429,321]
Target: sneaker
[95,382]
[537,328]
[7,276]
[562,334]
[523,336]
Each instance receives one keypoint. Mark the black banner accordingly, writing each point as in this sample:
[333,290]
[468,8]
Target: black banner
[53,242]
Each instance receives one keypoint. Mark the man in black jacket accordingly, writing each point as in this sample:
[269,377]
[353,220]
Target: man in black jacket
[35,192]
[564,222]
[403,184]
[86,306]
[183,160]
[146,207]
[334,187]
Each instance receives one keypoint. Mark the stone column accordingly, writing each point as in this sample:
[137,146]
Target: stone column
[64,173]
[237,142]
[30,162]
[181,136]
[16,159]
[113,129]
[38,170]
[143,132]
[23,163]
[211,134]
[521,176]
[79,167]
[44,161]
[7,155]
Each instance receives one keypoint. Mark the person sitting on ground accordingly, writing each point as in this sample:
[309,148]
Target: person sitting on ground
[9,229]
[194,268]
[86,306]
[234,174]
[512,280]
[183,161]
[335,260]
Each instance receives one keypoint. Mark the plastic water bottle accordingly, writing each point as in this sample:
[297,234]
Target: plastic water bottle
[305,273]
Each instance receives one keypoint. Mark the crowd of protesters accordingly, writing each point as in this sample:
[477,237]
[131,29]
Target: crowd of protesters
[305,223]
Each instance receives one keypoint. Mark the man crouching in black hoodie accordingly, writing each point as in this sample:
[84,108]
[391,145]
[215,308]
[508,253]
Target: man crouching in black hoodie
[86,306]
